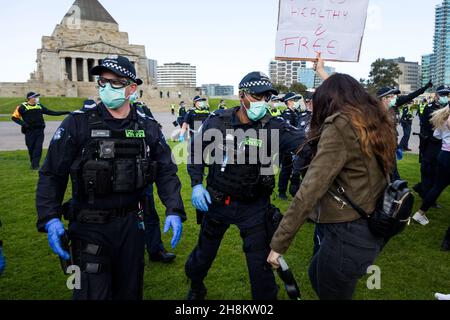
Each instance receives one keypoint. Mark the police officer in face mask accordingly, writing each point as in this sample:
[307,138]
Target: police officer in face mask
[112,153]
[195,117]
[30,116]
[429,145]
[239,184]
[290,115]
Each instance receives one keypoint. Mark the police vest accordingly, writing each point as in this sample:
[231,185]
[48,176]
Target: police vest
[275,112]
[242,182]
[422,108]
[112,161]
[33,115]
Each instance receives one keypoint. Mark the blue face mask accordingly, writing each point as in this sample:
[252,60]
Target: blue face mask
[257,110]
[112,98]
[133,97]
[443,101]
[393,102]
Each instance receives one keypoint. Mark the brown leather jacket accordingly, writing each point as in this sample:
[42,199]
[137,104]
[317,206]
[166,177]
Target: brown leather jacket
[339,162]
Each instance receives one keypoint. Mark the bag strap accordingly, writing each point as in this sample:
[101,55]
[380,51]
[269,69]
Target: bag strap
[357,208]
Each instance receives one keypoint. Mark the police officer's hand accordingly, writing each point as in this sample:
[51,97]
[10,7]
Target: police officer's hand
[174,222]
[273,259]
[2,261]
[429,84]
[200,198]
[182,138]
[55,230]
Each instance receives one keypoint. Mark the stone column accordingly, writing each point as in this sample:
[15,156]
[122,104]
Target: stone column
[85,71]
[74,69]
[63,68]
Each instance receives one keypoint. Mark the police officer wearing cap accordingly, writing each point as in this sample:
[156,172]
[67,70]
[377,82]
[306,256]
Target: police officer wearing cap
[390,99]
[303,158]
[239,185]
[290,115]
[429,145]
[30,116]
[112,152]
[195,117]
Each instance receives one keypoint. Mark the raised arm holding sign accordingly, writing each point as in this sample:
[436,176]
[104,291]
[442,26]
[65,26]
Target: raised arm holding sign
[334,28]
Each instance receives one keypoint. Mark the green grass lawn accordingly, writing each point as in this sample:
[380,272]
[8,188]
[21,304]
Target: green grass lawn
[412,266]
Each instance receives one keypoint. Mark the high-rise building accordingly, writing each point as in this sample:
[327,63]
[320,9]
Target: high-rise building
[153,70]
[217,90]
[177,75]
[308,77]
[425,69]
[285,72]
[440,60]
[409,80]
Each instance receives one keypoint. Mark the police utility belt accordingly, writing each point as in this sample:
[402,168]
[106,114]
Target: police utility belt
[112,162]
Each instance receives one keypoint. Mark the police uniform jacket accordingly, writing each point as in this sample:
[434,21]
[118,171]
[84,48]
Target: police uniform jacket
[68,144]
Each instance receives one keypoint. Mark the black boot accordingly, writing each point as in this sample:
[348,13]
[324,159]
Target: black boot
[162,256]
[197,292]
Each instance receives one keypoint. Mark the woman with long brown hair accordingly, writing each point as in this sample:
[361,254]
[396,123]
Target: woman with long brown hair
[354,142]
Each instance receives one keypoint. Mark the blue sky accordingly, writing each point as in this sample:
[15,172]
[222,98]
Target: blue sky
[224,39]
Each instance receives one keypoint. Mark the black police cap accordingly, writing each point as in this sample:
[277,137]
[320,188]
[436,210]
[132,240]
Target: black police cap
[443,90]
[383,92]
[198,99]
[118,65]
[31,95]
[308,96]
[257,83]
[291,96]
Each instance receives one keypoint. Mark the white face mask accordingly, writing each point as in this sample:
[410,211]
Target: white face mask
[37,100]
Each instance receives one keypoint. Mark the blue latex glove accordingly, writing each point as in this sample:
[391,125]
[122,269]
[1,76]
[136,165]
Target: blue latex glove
[200,197]
[55,230]
[399,154]
[2,261]
[182,138]
[174,223]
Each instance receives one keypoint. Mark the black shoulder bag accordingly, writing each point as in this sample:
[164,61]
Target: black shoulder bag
[392,213]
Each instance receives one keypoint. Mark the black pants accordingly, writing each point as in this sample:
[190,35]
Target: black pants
[345,252]
[249,218]
[153,241]
[285,174]
[407,126]
[428,167]
[121,259]
[34,139]
[442,181]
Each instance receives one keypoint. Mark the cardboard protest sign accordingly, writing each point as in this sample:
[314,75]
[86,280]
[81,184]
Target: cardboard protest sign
[333,27]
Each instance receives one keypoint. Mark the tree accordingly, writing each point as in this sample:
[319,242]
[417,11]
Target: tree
[281,88]
[298,88]
[383,73]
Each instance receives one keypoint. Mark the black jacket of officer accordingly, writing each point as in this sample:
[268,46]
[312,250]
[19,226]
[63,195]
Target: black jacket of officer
[291,116]
[195,115]
[32,116]
[67,145]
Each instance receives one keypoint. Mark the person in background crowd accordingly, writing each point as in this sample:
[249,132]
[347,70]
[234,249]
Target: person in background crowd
[441,124]
[30,116]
